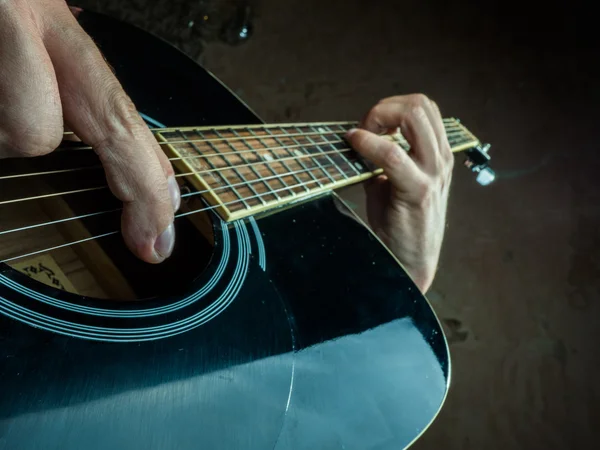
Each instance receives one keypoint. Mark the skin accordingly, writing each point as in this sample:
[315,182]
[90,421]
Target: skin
[53,78]
[407,205]
[52,75]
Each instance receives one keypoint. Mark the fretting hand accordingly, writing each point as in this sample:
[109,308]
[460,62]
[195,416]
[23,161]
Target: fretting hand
[51,74]
[406,206]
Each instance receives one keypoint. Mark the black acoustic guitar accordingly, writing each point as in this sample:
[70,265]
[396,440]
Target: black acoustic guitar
[279,322]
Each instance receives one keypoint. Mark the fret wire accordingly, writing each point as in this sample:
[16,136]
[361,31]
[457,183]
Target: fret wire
[189,141]
[300,161]
[318,147]
[458,132]
[258,158]
[284,148]
[230,153]
[280,142]
[159,130]
[80,241]
[316,159]
[222,170]
[457,127]
[268,165]
[271,152]
[359,159]
[186,141]
[237,201]
[343,157]
[190,194]
[217,169]
[302,155]
[69,244]
[459,142]
[243,178]
[220,173]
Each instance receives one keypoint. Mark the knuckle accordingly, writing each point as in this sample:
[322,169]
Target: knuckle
[391,155]
[418,100]
[423,191]
[27,141]
[417,112]
[373,113]
[123,114]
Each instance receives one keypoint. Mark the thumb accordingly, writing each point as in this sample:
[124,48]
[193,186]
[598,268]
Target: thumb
[102,115]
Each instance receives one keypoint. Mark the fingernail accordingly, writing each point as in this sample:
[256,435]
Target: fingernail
[351,131]
[175,193]
[165,242]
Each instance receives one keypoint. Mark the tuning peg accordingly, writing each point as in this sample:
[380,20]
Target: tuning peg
[486,176]
[478,160]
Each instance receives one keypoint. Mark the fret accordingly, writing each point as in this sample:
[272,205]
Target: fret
[401,141]
[259,157]
[275,160]
[222,172]
[342,155]
[275,164]
[316,159]
[318,147]
[211,165]
[355,158]
[309,171]
[279,160]
[251,167]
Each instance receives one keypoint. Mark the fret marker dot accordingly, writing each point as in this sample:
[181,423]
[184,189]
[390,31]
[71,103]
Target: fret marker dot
[268,157]
[321,130]
[358,165]
[298,152]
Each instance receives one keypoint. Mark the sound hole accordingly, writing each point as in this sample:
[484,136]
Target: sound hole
[102,268]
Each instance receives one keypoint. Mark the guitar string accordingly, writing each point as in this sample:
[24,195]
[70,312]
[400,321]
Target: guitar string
[271,192]
[191,194]
[178,216]
[265,147]
[211,155]
[445,120]
[218,169]
[452,132]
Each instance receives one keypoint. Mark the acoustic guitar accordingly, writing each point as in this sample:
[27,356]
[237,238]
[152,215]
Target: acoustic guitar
[280,321]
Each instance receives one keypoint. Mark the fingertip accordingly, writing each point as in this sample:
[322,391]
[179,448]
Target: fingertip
[351,132]
[144,235]
[165,243]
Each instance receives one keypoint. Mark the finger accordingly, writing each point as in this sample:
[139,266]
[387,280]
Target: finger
[102,115]
[410,115]
[30,109]
[433,112]
[438,121]
[400,169]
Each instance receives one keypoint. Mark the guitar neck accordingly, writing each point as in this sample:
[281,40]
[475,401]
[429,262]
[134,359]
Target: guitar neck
[245,170]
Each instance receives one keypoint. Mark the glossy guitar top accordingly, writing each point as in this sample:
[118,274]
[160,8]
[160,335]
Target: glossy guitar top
[297,330]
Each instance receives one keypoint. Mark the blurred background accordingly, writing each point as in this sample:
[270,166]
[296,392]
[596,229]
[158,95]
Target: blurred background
[519,281]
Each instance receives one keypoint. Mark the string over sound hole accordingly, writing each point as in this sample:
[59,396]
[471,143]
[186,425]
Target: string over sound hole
[60,226]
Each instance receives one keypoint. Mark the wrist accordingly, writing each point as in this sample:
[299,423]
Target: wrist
[419,263]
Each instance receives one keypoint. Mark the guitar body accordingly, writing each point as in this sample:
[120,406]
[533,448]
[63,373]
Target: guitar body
[298,330]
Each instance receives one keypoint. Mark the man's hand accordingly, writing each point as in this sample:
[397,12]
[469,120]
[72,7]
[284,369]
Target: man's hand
[406,206]
[52,74]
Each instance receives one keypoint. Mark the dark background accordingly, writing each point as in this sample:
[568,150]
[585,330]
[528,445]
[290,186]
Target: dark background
[519,280]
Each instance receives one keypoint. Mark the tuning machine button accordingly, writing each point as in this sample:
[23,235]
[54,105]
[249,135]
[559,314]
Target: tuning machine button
[478,160]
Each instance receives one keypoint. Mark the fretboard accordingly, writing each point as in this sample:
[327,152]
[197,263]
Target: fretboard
[246,170]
